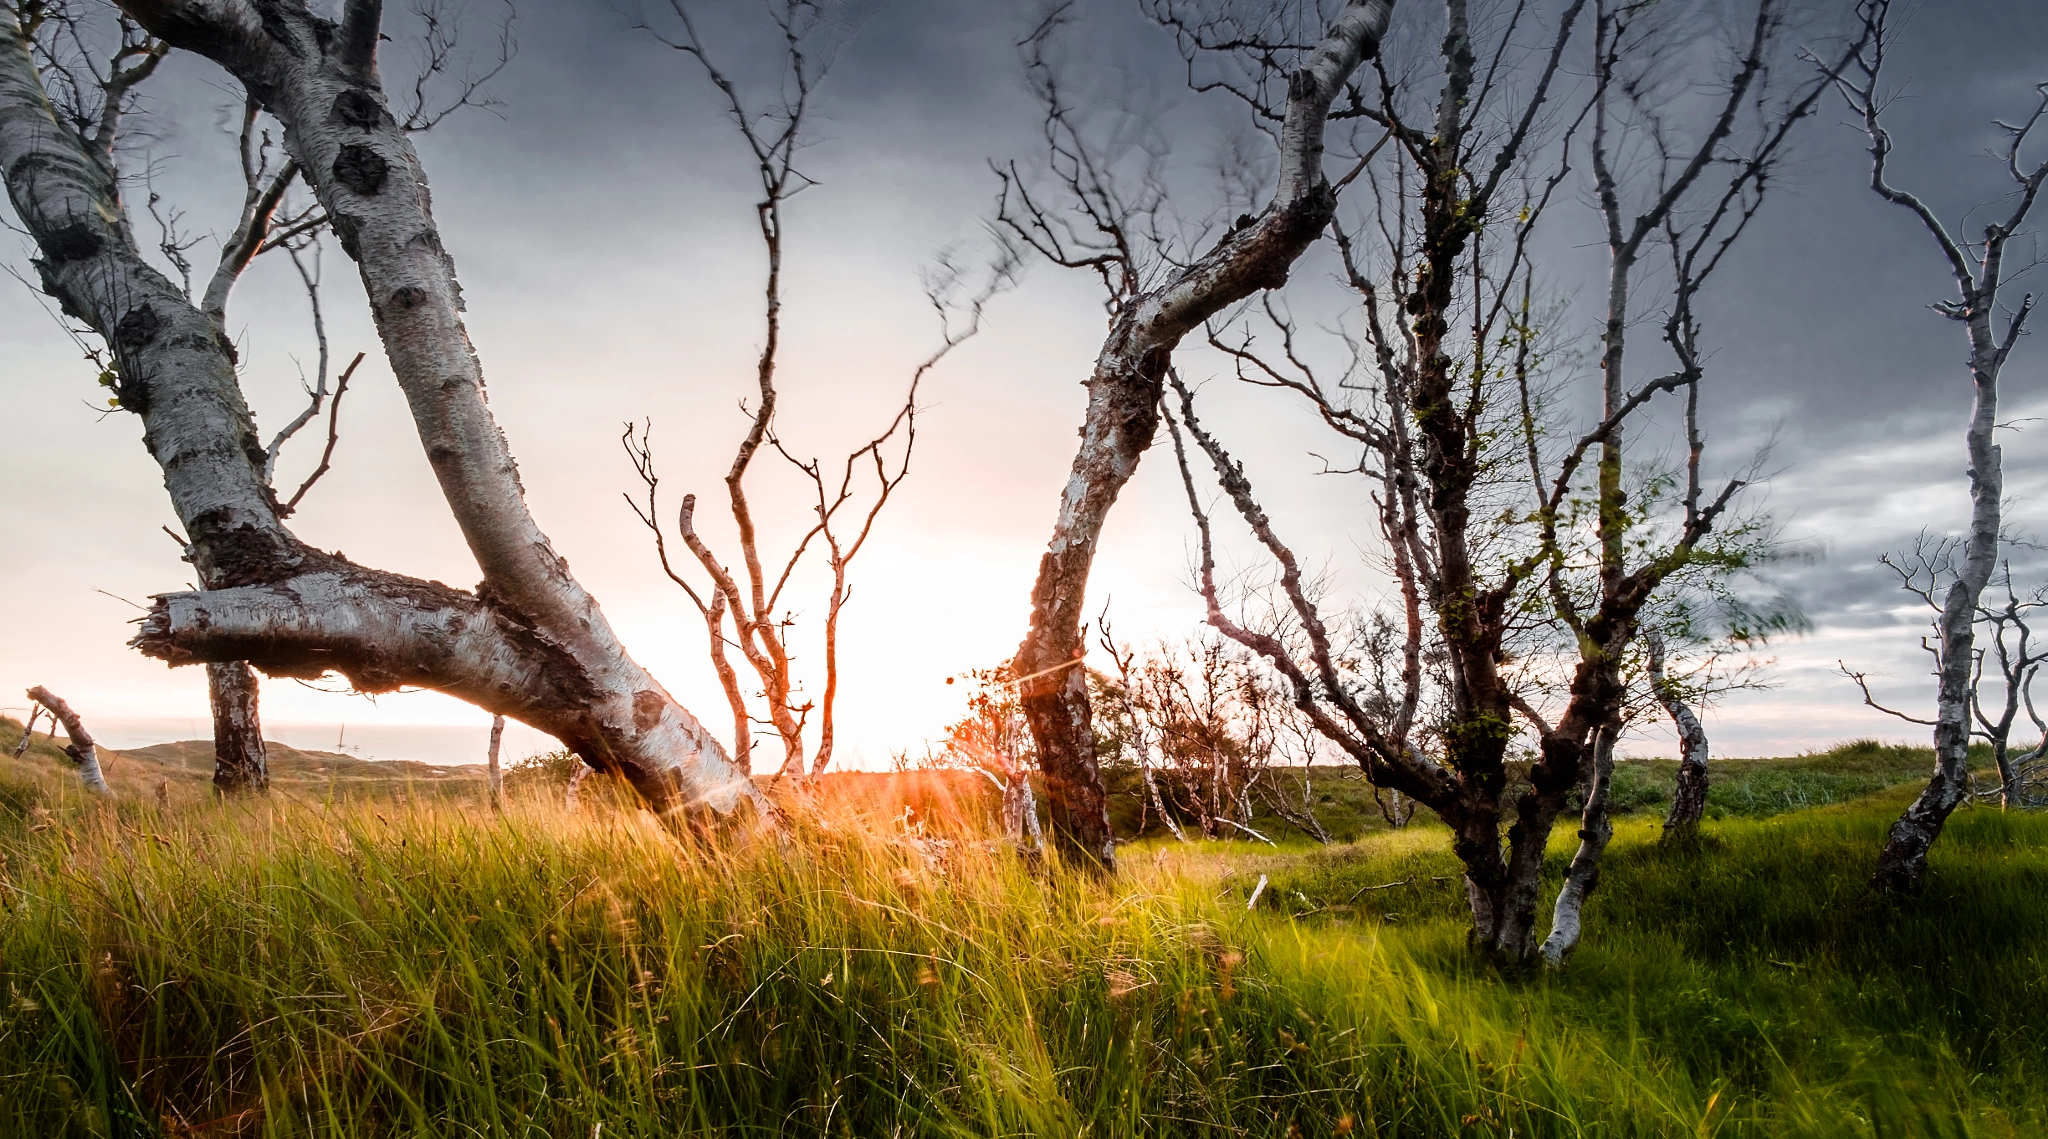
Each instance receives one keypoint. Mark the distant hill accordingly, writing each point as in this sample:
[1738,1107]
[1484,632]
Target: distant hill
[184,769]
[290,763]
[1344,802]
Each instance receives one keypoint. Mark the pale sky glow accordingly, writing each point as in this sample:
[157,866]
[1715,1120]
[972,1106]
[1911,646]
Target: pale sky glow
[604,232]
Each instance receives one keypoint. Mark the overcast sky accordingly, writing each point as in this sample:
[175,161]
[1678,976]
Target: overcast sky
[603,227]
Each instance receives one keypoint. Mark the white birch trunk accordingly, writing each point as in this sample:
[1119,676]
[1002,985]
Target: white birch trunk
[1595,830]
[1903,863]
[1158,801]
[82,750]
[1689,795]
[28,730]
[572,797]
[1123,415]
[492,771]
[1029,806]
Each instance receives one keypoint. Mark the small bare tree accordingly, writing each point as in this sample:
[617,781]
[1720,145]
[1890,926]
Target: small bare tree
[266,223]
[2018,657]
[1140,736]
[1980,273]
[839,523]
[1696,649]
[993,739]
[1689,794]
[1929,571]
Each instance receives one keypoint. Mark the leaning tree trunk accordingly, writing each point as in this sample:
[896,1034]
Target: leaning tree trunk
[1596,829]
[239,763]
[532,644]
[1158,801]
[28,730]
[82,750]
[1903,862]
[1123,414]
[1689,798]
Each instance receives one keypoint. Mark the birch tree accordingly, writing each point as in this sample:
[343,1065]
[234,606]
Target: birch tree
[268,222]
[2017,655]
[530,643]
[1504,533]
[1212,734]
[1140,736]
[1993,324]
[1148,320]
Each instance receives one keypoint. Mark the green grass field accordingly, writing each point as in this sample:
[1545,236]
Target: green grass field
[356,966]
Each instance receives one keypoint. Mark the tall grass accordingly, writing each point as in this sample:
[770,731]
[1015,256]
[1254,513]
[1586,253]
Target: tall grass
[362,970]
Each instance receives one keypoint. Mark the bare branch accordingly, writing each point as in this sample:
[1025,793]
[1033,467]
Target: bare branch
[291,505]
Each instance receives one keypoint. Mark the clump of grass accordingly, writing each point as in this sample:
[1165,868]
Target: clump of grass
[367,971]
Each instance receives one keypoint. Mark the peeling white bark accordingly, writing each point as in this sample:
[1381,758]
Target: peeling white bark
[174,371]
[28,731]
[382,632]
[82,750]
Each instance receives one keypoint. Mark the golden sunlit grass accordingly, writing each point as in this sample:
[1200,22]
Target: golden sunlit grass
[285,968]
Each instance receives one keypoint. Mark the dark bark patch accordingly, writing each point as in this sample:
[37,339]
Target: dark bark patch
[74,242]
[347,230]
[34,159]
[276,22]
[233,551]
[137,328]
[361,169]
[407,297]
[252,450]
[47,274]
[647,706]
[359,108]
